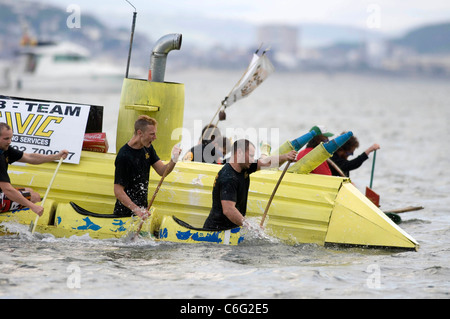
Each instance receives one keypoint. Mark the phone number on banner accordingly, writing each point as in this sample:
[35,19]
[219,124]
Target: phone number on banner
[40,151]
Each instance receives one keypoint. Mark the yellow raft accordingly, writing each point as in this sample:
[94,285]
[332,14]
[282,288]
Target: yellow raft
[69,219]
[307,208]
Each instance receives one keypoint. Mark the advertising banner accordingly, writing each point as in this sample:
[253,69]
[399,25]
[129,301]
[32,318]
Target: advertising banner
[45,127]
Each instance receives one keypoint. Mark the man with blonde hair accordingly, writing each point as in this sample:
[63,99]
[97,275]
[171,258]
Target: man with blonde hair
[132,172]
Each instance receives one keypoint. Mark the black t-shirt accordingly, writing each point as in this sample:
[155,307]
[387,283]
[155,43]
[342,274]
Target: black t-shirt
[204,153]
[233,186]
[133,173]
[9,156]
[345,165]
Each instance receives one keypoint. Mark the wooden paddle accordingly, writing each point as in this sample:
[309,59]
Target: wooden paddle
[370,194]
[337,168]
[273,193]
[169,166]
[404,210]
[33,225]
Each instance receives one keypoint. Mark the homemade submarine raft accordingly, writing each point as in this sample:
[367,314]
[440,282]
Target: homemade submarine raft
[307,208]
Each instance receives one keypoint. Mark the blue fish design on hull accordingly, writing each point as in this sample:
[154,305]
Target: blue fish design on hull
[120,223]
[89,225]
[209,238]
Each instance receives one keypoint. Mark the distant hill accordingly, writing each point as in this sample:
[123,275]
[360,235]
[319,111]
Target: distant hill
[206,42]
[49,23]
[324,35]
[430,39]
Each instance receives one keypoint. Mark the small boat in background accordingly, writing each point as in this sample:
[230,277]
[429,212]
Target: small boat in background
[50,66]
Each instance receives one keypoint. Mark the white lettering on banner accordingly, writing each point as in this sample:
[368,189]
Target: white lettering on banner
[46,127]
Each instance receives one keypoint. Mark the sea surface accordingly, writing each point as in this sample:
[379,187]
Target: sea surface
[408,117]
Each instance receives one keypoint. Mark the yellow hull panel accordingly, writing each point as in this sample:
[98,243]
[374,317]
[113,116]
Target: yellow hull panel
[63,221]
[171,231]
[98,227]
[357,221]
[26,216]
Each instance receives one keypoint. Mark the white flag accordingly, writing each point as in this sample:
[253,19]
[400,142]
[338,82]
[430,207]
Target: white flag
[259,69]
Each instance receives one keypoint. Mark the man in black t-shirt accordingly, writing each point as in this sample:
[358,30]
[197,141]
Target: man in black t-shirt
[132,171]
[12,198]
[230,190]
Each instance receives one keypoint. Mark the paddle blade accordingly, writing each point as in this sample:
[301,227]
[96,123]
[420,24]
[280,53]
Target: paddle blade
[33,225]
[155,222]
[394,217]
[139,230]
[374,197]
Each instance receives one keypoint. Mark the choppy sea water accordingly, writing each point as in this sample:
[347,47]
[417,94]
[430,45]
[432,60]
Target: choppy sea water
[407,117]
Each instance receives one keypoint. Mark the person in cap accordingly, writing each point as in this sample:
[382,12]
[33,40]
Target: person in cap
[321,137]
[340,157]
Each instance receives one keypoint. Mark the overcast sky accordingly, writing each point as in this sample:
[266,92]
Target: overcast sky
[386,15]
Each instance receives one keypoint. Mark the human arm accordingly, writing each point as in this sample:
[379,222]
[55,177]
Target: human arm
[14,195]
[232,213]
[372,148]
[119,192]
[346,166]
[349,165]
[276,160]
[36,158]
[160,167]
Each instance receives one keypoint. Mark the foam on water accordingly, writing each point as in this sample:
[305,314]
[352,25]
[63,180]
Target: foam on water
[252,231]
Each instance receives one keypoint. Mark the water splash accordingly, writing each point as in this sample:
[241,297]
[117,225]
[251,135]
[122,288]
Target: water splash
[253,231]
[15,229]
[22,232]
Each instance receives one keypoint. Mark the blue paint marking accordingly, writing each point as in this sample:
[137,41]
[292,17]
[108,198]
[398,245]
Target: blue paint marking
[209,238]
[184,235]
[163,233]
[120,223]
[58,220]
[89,225]
[235,230]
[25,209]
